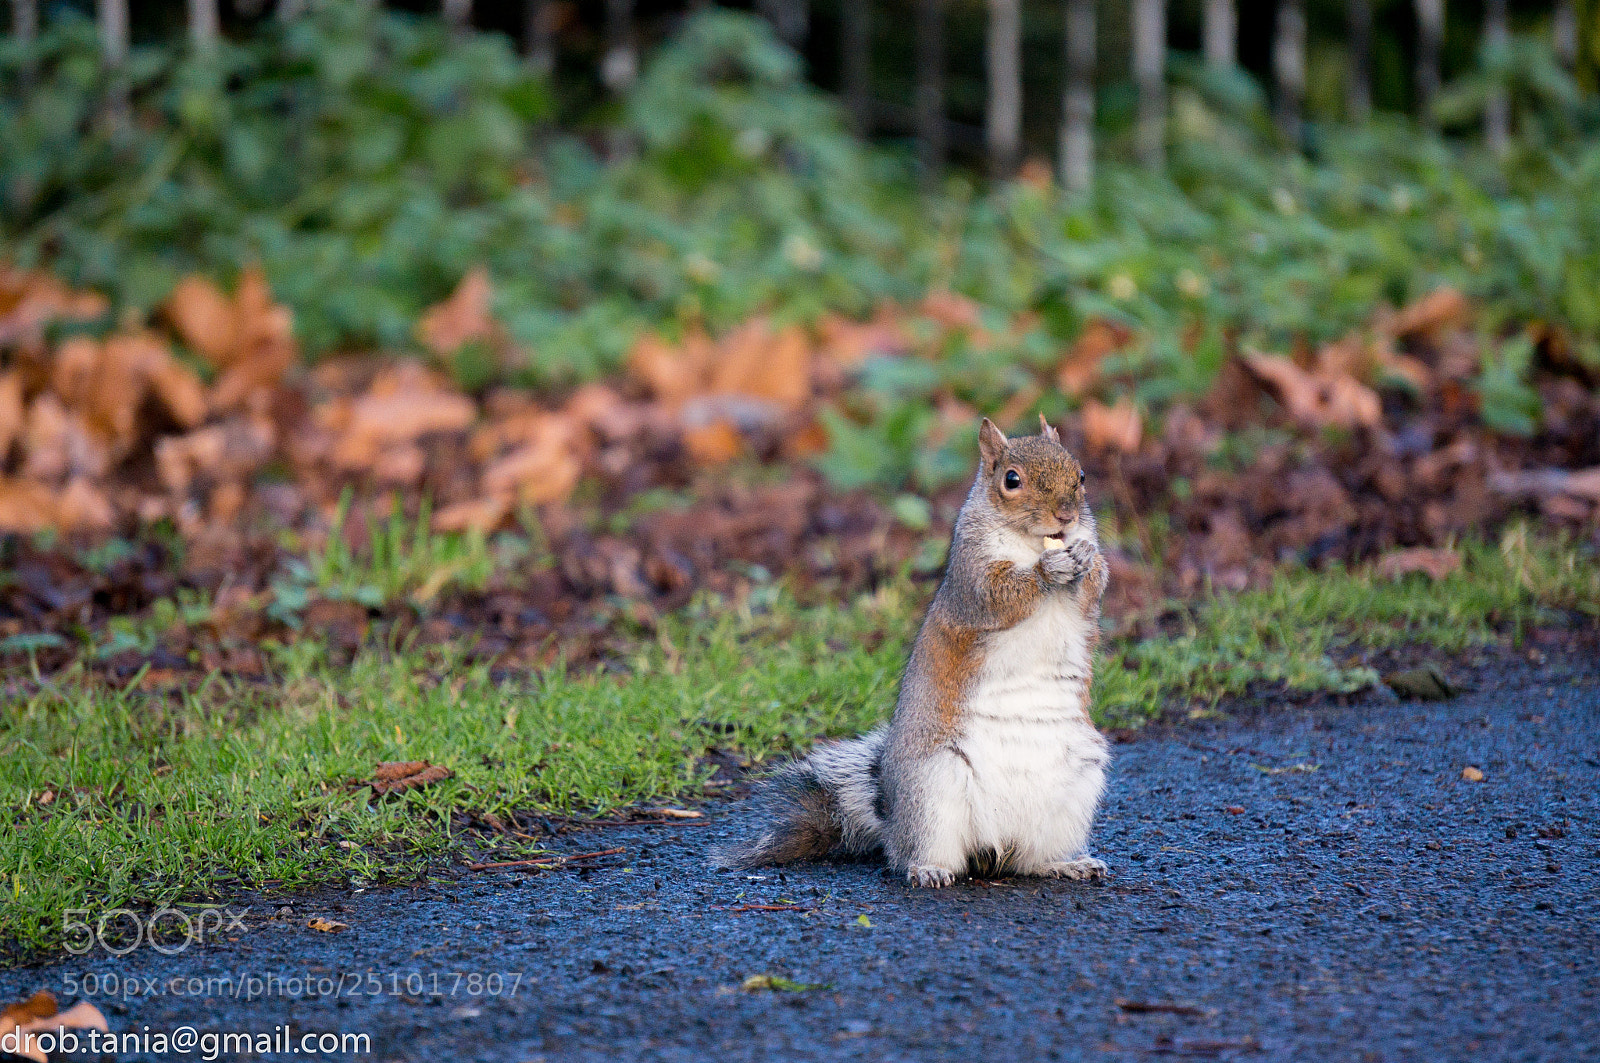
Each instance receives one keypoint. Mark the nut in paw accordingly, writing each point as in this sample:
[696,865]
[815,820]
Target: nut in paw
[1071,563]
[927,876]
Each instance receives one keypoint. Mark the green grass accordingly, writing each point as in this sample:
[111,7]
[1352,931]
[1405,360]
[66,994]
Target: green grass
[167,796]
[1308,630]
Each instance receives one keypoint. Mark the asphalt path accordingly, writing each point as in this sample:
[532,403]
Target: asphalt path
[1296,883]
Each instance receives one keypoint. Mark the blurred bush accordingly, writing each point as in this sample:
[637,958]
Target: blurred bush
[368,160]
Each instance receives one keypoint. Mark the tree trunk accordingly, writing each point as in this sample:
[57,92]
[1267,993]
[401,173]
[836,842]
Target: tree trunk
[790,18]
[1289,67]
[1430,36]
[1077,102]
[1497,108]
[930,88]
[1221,34]
[1149,73]
[204,25]
[539,34]
[855,32]
[1003,122]
[1564,33]
[458,13]
[620,64]
[1358,75]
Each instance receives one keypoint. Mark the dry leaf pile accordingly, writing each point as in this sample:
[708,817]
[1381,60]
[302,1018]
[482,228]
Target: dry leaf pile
[1368,447]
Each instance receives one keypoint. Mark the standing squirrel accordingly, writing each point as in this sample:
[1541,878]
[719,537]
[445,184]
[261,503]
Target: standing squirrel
[990,763]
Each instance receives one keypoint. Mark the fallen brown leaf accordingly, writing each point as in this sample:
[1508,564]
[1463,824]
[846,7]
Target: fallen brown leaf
[1317,400]
[544,470]
[1081,366]
[403,404]
[1471,774]
[846,344]
[712,444]
[478,514]
[29,300]
[13,415]
[463,318]
[1118,427]
[204,318]
[248,337]
[82,507]
[26,506]
[326,926]
[394,776]
[753,360]
[41,1005]
[671,374]
[1437,310]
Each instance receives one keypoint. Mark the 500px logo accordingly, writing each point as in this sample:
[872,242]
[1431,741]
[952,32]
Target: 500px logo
[167,930]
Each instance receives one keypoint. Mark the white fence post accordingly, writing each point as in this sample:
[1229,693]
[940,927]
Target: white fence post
[1149,73]
[1003,120]
[1077,99]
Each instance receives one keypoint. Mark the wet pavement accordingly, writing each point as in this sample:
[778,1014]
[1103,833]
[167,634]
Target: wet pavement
[1310,883]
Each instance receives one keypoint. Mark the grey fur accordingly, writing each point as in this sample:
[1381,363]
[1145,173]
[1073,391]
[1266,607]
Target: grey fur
[822,805]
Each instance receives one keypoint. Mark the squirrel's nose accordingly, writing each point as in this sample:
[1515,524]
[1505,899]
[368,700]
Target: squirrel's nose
[1067,514]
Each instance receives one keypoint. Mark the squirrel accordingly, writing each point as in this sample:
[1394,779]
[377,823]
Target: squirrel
[990,763]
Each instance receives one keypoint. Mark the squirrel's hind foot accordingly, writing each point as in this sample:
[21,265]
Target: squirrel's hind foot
[929,876]
[1083,869]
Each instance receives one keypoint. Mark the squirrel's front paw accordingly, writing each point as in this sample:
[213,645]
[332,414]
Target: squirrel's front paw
[929,876]
[1069,564]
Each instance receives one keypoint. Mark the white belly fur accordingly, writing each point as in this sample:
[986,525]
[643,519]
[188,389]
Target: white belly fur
[1037,762]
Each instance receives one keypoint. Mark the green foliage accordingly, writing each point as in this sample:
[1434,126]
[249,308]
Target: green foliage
[1506,402]
[1546,102]
[369,159]
[366,160]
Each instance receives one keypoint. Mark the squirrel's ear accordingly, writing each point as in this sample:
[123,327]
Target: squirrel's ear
[1047,432]
[991,443]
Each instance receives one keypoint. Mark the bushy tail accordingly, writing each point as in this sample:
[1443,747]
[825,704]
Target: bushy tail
[826,803]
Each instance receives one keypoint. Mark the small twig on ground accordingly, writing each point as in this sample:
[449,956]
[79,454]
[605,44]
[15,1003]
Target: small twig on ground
[764,908]
[1205,1047]
[590,856]
[554,860]
[1148,1006]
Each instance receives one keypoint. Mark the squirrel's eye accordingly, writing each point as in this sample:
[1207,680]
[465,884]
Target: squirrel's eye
[1082,476]
[1013,481]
